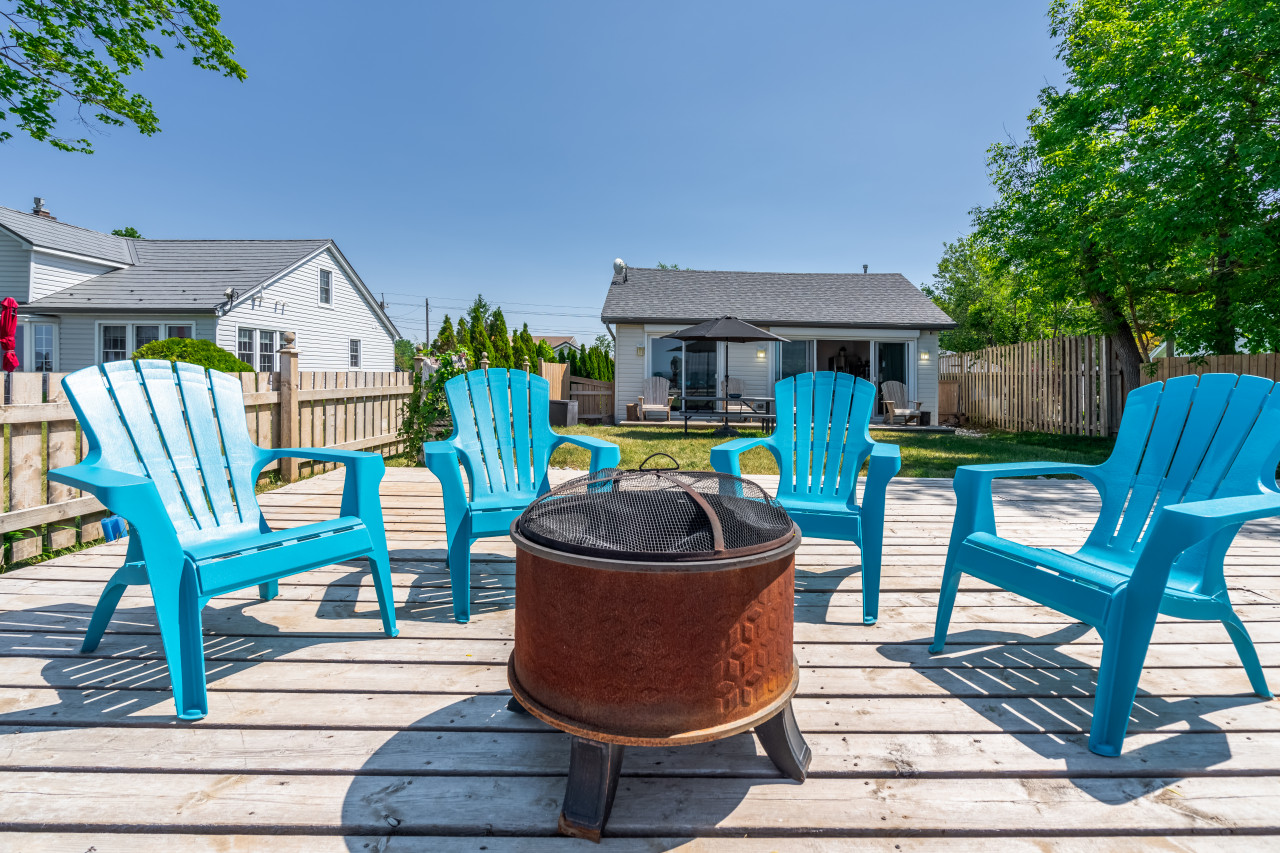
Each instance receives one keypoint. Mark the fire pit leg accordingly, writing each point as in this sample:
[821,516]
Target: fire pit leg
[513,705]
[784,743]
[593,780]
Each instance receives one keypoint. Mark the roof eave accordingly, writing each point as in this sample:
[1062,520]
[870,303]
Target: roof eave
[764,321]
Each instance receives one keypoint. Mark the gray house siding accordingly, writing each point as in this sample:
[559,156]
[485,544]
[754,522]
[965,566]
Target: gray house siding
[292,304]
[15,267]
[51,273]
[79,343]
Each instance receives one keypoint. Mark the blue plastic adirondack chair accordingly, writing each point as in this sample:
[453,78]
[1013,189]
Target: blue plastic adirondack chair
[169,450]
[502,436]
[1192,463]
[821,442]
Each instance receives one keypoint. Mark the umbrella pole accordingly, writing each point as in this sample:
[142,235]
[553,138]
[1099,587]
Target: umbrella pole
[726,430]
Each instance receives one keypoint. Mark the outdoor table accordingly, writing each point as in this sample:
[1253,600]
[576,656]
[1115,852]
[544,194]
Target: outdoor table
[760,407]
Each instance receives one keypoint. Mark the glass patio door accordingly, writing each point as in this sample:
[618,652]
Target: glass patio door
[701,372]
[891,366]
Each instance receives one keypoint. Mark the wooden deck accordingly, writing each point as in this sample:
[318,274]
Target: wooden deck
[333,738]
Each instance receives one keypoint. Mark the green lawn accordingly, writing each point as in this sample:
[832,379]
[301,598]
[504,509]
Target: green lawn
[923,454]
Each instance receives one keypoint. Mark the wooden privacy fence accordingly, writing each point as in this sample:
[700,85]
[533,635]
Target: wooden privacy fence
[1265,364]
[354,410]
[1068,385]
[595,398]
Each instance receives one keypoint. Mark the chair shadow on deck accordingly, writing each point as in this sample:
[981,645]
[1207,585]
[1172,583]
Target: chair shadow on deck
[430,596]
[816,590]
[1043,697]
[475,768]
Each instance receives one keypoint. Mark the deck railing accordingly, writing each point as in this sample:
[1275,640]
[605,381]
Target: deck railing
[355,410]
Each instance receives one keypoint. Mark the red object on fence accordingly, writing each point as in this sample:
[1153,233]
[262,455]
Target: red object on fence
[8,330]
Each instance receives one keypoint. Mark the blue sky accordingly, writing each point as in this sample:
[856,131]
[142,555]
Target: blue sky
[515,149]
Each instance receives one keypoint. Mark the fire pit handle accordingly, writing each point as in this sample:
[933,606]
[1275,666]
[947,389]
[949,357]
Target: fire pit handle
[674,467]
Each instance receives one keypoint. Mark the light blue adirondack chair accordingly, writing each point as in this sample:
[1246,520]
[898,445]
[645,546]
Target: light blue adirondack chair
[169,450]
[502,436]
[1192,463]
[821,443]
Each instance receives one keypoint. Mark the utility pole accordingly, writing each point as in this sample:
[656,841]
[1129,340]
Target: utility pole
[427,302]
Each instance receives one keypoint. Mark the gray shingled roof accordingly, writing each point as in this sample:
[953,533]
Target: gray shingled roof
[867,300]
[182,275]
[45,233]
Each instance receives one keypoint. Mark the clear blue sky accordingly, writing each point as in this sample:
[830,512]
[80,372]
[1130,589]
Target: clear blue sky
[515,149]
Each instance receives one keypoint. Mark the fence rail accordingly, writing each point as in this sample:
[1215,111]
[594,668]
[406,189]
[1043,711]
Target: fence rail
[1068,385]
[355,410]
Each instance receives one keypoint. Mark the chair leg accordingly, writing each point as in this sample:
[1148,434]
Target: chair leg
[460,570]
[178,612]
[1248,654]
[946,601]
[268,590]
[1124,650]
[129,573]
[380,568]
[872,546]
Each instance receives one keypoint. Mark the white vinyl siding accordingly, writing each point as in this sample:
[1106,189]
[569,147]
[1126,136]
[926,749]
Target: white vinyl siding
[927,373]
[51,273]
[629,368]
[323,334]
[15,268]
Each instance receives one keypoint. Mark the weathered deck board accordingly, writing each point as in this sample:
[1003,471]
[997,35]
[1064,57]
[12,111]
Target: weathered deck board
[320,727]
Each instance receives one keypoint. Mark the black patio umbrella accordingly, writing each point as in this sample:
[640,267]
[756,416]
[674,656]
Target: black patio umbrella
[730,330]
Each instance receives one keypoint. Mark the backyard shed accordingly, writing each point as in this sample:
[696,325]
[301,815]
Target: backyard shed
[878,326]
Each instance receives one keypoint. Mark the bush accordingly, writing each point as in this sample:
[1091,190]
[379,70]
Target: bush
[193,351]
[426,412]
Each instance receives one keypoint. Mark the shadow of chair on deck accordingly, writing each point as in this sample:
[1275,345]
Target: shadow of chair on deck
[1043,696]
[818,585]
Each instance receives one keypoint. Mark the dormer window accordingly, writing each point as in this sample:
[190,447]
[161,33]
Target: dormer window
[326,287]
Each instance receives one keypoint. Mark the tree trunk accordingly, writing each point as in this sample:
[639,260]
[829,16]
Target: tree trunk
[1111,316]
[1223,339]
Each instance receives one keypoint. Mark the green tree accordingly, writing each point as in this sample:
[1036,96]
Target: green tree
[79,53]
[605,343]
[500,340]
[404,354]
[477,319]
[445,340]
[127,231]
[543,350]
[663,266]
[193,351]
[426,410]
[463,334]
[530,345]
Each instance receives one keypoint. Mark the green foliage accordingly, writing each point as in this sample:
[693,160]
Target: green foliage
[127,231]
[500,340]
[544,351]
[404,354]
[605,344]
[426,412]
[477,323]
[82,51]
[1149,186]
[445,339]
[463,335]
[193,351]
[663,266]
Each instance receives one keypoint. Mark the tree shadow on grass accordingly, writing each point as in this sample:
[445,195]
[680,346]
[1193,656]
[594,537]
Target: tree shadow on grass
[1028,678]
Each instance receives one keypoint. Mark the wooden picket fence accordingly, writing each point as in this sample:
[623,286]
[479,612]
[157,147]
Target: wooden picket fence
[1067,385]
[1265,364]
[358,410]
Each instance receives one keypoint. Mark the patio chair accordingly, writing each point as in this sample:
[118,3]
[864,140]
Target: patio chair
[169,450]
[503,439]
[734,385]
[1192,463]
[655,396]
[820,444]
[896,405]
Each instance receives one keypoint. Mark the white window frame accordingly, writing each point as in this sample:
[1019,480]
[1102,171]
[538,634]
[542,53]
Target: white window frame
[357,353]
[98,342]
[320,288]
[27,356]
[131,335]
[168,329]
[256,363]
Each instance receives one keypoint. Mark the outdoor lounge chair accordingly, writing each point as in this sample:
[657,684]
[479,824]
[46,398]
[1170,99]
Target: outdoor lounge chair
[503,439]
[896,404]
[655,396]
[734,385]
[1192,462]
[820,445]
[170,452]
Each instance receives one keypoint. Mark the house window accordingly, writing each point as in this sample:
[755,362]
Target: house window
[183,331]
[266,351]
[326,287]
[115,343]
[41,347]
[143,335]
[244,346]
[353,347]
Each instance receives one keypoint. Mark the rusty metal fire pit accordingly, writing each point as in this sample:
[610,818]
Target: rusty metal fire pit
[654,608]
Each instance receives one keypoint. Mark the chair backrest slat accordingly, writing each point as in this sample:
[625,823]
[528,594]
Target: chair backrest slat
[194,385]
[823,387]
[821,435]
[895,392]
[784,431]
[837,438]
[501,424]
[804,431]
[166,408]
[237,446]
[655,390]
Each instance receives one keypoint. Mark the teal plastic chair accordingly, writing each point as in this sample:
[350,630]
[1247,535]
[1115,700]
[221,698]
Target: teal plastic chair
[502,436]
[821,442]
[169,451]
[1192,463]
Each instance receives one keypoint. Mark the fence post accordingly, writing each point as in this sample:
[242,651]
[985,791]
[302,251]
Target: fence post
[290,429]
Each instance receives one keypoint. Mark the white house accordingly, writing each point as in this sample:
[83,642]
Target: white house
[878,326]
[87,298]
[560,344]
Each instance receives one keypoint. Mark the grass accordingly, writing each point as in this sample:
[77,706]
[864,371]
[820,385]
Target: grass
[923,454]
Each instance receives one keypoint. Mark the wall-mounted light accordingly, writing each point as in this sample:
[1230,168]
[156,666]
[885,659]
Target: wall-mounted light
[924,355]
[761,353]
[640,351]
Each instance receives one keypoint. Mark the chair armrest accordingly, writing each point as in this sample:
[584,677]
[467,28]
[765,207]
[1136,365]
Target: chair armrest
[106,484]
[724,457]
[319,454]
[134,498]
[884,462]
[972,485]
[363,475]
[604,454]
[441,459]
[1197,520]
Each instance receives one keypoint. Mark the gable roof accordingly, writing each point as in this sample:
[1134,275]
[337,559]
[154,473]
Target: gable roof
[863,300]
[554,341]
[190,275]
[43,232]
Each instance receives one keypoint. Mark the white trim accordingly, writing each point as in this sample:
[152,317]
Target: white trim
[255,362]
[359,353]
[29,341]
[102,262]
[320,274]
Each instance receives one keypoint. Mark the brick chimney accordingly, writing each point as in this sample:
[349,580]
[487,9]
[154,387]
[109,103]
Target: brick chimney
[39,210]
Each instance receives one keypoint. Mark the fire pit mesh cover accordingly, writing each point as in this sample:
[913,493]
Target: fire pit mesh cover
[657,515]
